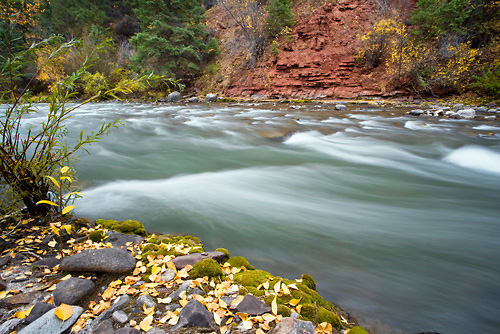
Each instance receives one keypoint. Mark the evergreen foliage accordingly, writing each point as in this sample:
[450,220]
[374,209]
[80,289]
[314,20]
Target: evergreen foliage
[171,41]
[280,16]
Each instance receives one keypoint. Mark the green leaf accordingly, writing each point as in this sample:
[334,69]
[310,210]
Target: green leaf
[46,202]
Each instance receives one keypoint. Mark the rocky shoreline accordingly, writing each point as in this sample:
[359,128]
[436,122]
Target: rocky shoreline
[117,278]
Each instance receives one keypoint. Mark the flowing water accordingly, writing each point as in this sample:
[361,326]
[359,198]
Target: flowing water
[396,217]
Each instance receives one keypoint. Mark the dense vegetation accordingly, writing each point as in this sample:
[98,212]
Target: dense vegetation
[446,47]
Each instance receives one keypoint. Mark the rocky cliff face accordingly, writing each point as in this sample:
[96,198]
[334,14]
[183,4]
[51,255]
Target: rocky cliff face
[317,58]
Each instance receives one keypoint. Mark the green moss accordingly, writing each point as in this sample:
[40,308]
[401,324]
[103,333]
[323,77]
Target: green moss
[253,278]
[308,280]
[284,311]
[167,244]
[239,261]
[97,236]
[328,316]
[225,251]
[206,267]
[127,226]
[303,101]
[309,312]
[358,330]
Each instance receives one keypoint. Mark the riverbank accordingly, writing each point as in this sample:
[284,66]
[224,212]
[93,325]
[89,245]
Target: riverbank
[121,279]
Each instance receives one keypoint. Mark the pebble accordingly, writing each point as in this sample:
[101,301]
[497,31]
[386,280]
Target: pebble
[168,275]
[145,301]
[120,316]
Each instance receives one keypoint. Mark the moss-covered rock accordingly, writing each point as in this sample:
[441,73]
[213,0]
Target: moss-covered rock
[284,311]
[225,251]
[358,330]
[97,236]
[310,312]
[171,245]
[240,261]
[252,278]
[127,226]
[206,267]
[308,280]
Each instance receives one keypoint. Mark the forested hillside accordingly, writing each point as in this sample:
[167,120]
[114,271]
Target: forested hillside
[308,48]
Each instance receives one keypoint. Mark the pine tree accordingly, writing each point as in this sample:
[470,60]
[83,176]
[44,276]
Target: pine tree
[171,41]
[280,16]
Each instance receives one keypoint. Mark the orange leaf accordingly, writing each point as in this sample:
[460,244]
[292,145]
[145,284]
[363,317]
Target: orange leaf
[145,324]
[64,312]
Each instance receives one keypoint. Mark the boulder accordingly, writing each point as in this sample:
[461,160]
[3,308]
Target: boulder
[211,98]
[49,323]
[107,260]
[194,314]
[417,112]
[194,99]
[252,306]
[72,290]
[340,107]
[191,259]
[174,97]
[293,326]
[466,113]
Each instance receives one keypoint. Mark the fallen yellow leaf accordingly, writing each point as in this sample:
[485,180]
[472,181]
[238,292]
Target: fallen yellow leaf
[23,314]
[145,324]
[274,306]
[64,312]
[217,319]
[183,302]
[294,302]
[155,270]
[108,293]
[277,287]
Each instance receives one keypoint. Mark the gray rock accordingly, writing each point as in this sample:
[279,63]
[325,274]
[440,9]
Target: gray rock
[3,285]
[38,310]
[106,260]
[294,315]
[120,240]
[417,112]
[490,118]
[174,97]
[168,275]
[127,330]
[48,262]
[21,299]
[120,316]
[181,261]
[252,306]
[293,326]
[49,323]
[105,327]
[156,330]
[211,98]
[194,314]
[198,291]
[4,260]
[481,109]
[9,325]
[194,99]
[119,303]
[72,290]
[145,301]
[185,286]
[172,307]
[458,106]
[340,107]
[466,113]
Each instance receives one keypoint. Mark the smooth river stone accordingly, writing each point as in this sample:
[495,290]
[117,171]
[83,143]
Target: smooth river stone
[107,260]
[49,323]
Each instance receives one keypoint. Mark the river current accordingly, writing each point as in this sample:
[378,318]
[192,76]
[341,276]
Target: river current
[396,217]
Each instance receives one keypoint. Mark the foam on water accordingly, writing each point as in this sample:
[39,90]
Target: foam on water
[476,158]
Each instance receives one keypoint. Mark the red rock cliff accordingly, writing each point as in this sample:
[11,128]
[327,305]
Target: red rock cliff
[318,59]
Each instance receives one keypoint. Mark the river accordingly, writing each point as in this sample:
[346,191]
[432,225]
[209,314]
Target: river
[396,217]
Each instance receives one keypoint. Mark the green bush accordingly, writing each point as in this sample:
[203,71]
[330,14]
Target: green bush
[94,84]
[489,82]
